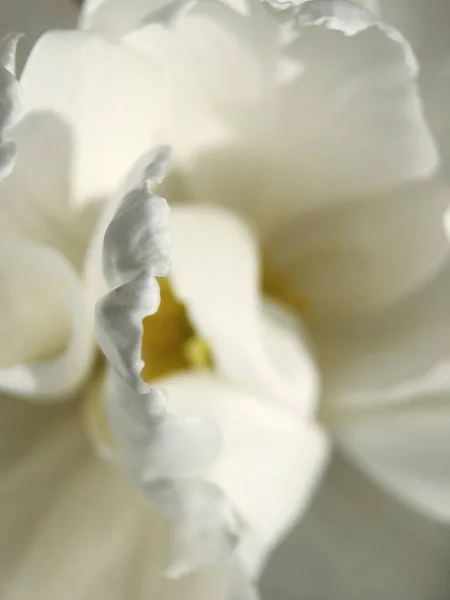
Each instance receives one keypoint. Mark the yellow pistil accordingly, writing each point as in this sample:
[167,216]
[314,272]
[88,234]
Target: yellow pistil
[169,342]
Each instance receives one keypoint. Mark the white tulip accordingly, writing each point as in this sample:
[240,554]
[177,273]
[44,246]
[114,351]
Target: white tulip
[305,304]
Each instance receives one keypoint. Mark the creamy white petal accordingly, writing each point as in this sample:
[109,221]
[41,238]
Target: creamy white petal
[387,384]
[361,256]
[425,25]
[349,119]
[270,462]
[9,101]
[74,528]
[47,342]
[92,107]
[215,272]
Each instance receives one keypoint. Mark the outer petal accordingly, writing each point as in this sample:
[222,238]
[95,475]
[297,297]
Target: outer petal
[46,335]
[215,273]
[387,383]
[92,108]
[361,256]
[349,118]
[55,496]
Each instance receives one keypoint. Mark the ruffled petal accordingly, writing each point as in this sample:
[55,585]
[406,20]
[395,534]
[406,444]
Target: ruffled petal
[387,381]
[359,257]
[215,272]
[9,102]
[47,343]
[349,119]
[135,251]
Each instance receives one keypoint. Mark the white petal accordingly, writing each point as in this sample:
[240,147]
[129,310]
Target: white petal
[387,381]
[216,64]
[215,273]
[361,256]
[270,462]
[350,121]
[72,528]
[9,102]
[135,251]
[92,107]
[425,25]
[46,334]
[33,18]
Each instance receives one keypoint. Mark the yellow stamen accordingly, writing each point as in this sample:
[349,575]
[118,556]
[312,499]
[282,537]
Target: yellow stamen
[197,352]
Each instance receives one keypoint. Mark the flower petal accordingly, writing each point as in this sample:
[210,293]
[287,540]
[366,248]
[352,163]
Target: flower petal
[46,335]
[215,273]
[426,26]
[387,381]
[9,101]
[135,250]
[270,462]
[56,494]
[104,105]
[33,19]
[349,118]
[362,256]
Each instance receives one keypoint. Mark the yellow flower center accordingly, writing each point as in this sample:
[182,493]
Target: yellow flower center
[169,342]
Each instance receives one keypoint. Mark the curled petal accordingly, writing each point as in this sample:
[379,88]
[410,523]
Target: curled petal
[165,454]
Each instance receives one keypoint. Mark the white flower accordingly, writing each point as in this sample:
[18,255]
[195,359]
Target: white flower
[301,171]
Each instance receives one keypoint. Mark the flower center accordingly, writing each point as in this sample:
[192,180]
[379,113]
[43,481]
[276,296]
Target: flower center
[169,342]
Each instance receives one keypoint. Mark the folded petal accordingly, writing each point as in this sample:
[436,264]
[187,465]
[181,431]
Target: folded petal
[349,120]
[46,335]
[387,381]
[215,272]
[270,462]
[55,495]
[361,256]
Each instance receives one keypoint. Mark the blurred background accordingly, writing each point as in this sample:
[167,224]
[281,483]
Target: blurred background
[355,542]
